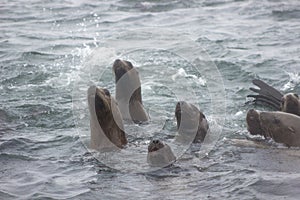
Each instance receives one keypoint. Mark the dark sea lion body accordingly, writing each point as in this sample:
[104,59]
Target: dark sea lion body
[159,154]
[192,124]
[128,91]
[107,130]
[280,126]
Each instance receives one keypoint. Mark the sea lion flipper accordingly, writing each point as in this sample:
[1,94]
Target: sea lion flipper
[266,94]
[265,99]
[254,90]
[267,90]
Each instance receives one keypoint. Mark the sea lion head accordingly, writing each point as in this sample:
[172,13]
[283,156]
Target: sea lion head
[128,91]
[159,154]
[272,124]
[108,116]
[191,121]
[121,67]
[103,102]
[128,84]
[186,114]
[282,127]
[269,119]
[290,103]
[253,122]
[155,145]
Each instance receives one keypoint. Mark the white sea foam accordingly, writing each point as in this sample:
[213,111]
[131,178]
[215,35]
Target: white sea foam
[293,81]
[182,73]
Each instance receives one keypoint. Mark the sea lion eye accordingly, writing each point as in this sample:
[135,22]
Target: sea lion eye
[129,64]
[296,95]
[106,92]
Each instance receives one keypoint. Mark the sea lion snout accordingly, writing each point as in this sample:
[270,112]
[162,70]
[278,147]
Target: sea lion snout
[186,114]
[91,90]
[155,145]
[121,67]
[253,122]
[119,62]
[159,154]
[102,99]
[178,107]
[178,113]
[99,102]
[191,123]
[155,141]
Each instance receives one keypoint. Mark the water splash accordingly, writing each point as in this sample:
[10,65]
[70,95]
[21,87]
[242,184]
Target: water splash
[182,73]
[293,81]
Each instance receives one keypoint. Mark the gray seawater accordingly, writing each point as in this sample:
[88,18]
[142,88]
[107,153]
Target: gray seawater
[51,52]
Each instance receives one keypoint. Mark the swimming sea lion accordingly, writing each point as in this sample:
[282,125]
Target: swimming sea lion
[159,154]
[191,123]
[280,126]
[105,120]
[289,103]
[128,91]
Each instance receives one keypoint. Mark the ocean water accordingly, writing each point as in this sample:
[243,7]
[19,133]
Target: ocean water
[204,52]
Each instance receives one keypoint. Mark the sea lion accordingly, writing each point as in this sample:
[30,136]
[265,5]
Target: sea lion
[192,124]
[282,127]
[289,103]
[105,120]
[128,91]
[159,154]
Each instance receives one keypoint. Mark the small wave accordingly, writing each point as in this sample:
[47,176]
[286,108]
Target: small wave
[35,53]
[286,14]
[25,78]
[9,156]
[59,139]
[277,186]
[6,195]
[209,3]
[4,117]
[233,70]
[154,6]
[15,143]
[293,81]
[45,115]
[39,56]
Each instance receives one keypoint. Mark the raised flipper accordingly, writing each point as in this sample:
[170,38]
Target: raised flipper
[267,100]
[266,94]
[266,89]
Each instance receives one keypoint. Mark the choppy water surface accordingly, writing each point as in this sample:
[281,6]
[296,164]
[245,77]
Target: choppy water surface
[51,52]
